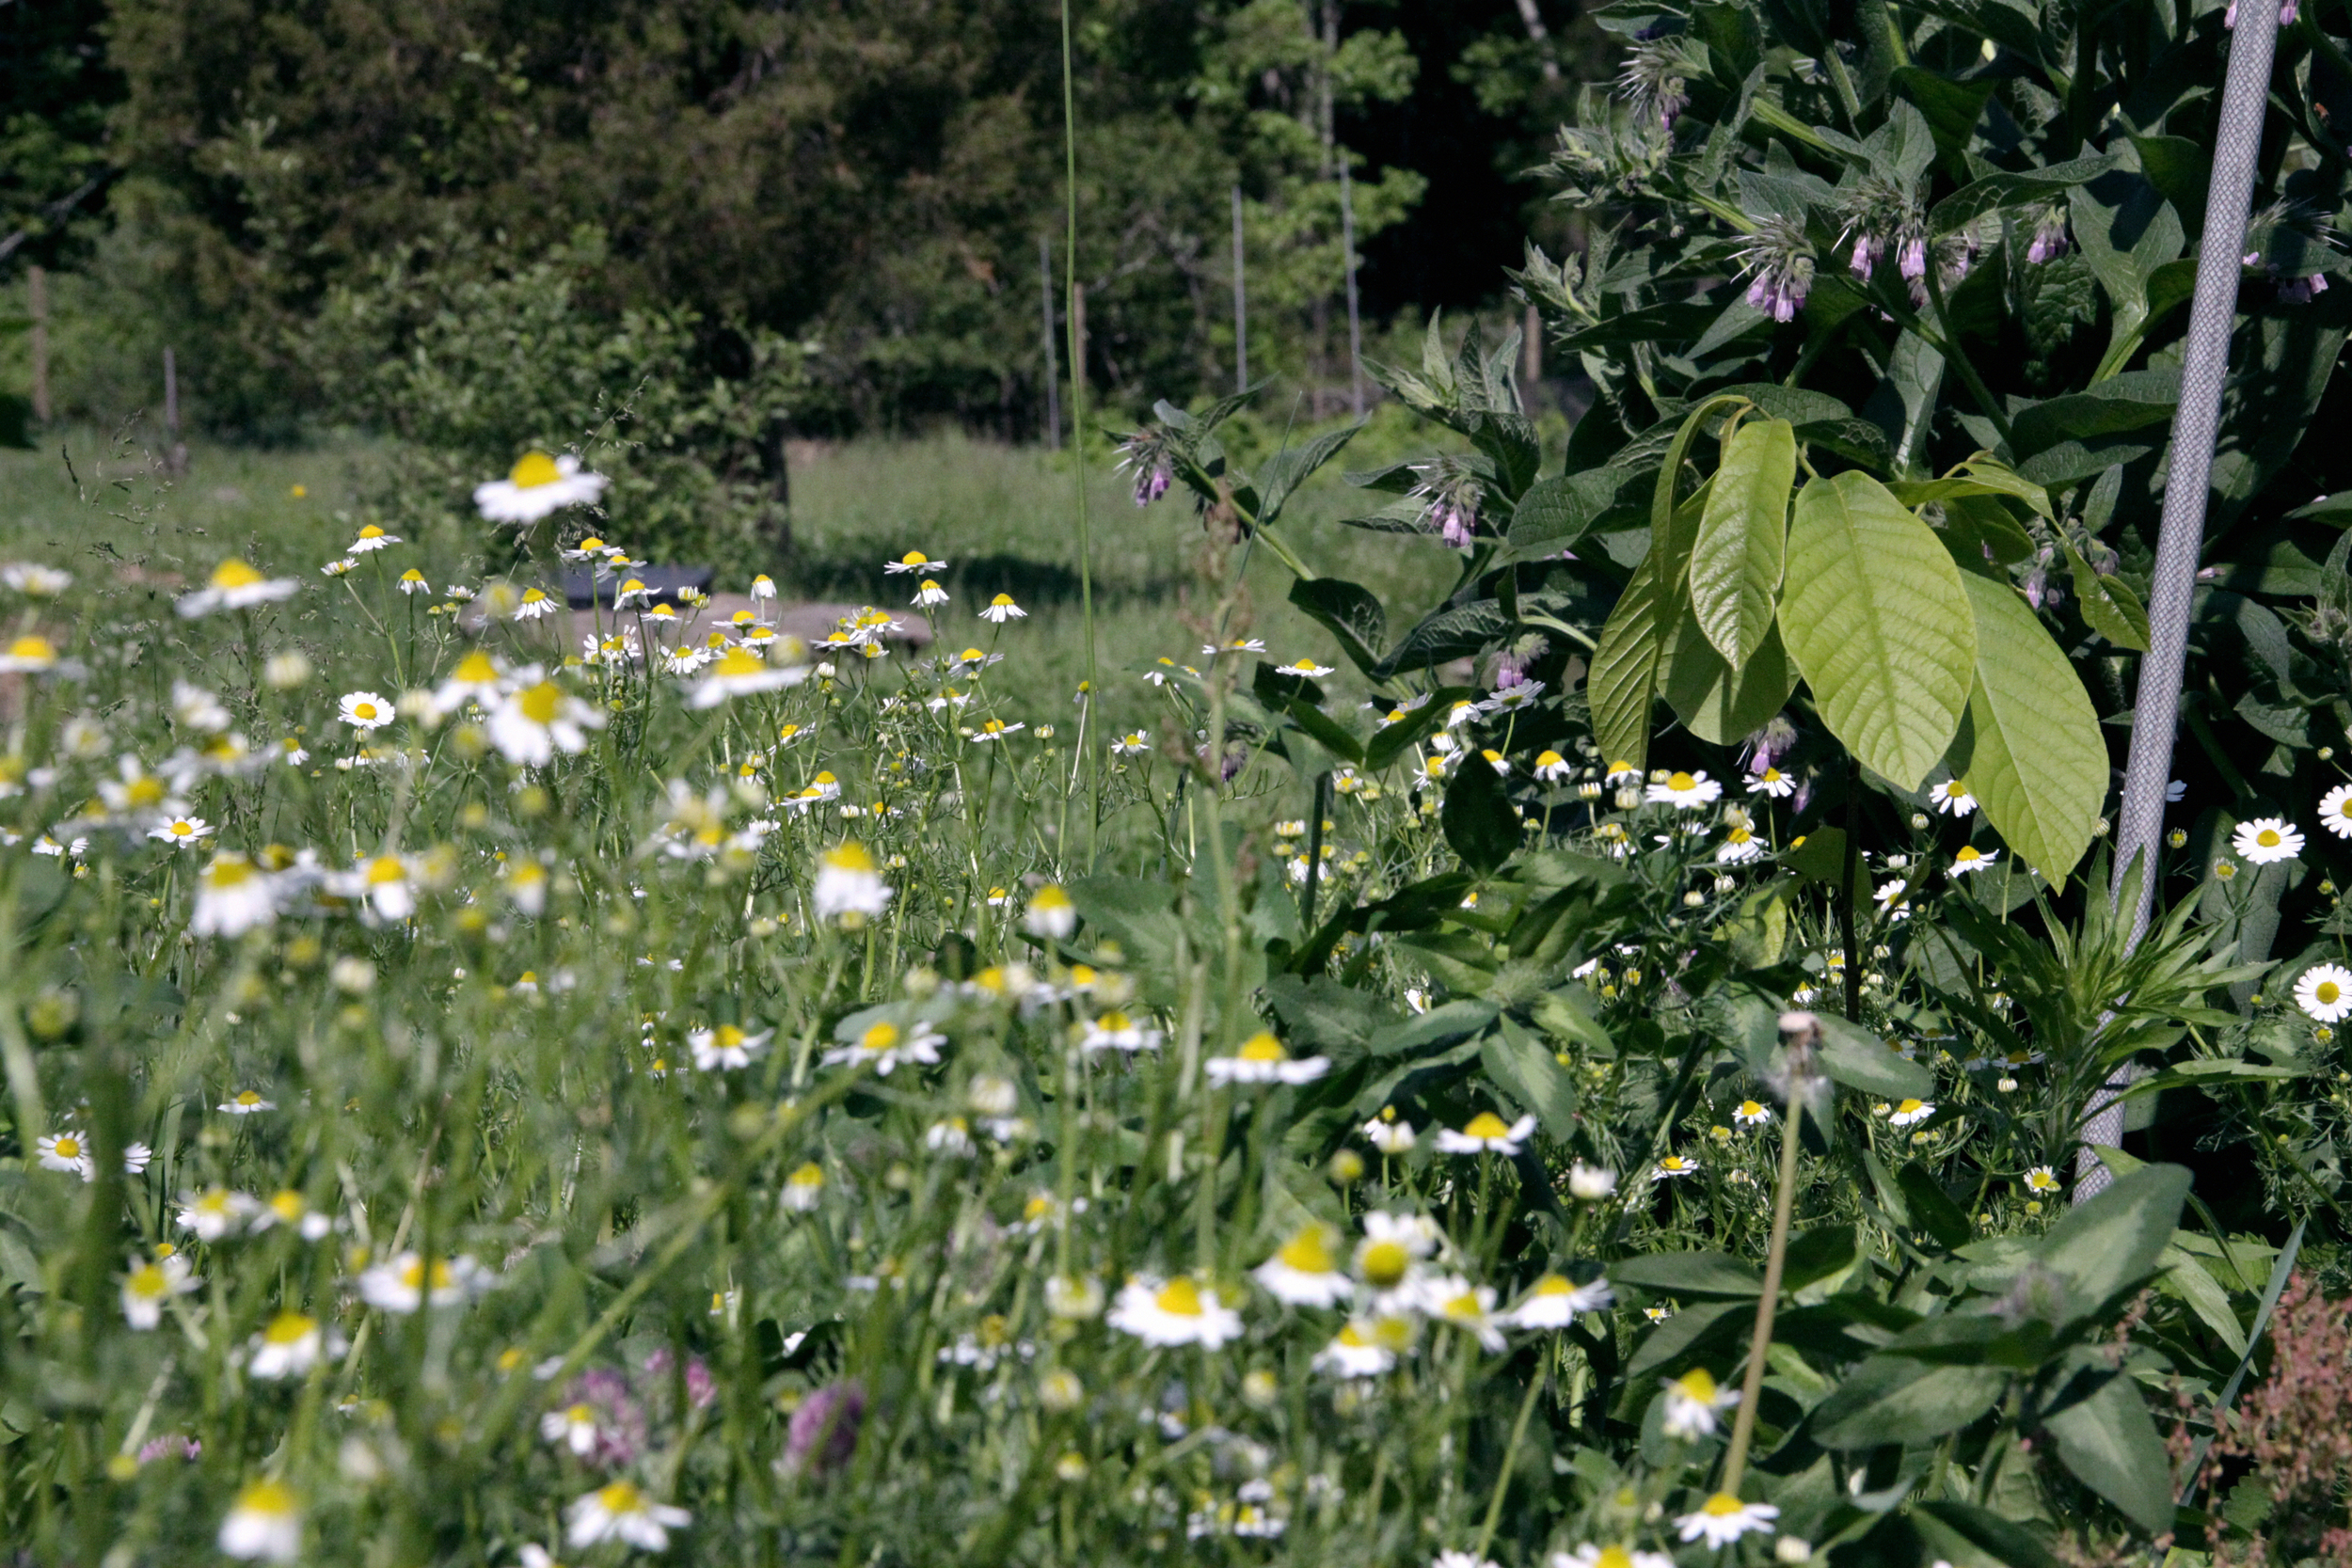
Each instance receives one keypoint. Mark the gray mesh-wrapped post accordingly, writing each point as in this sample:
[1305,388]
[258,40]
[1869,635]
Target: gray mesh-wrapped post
[2156,715]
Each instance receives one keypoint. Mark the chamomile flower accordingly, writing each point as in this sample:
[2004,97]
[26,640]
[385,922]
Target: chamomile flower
[1739,846]
[1910,1112]
[2267,839]
[1461,1559]
[1970,860]
[1591,1183]
[1555,1301]
[535,605]
[1470,1308]
[884,1047]
[1724,1518]
[35,656]
[265,1523]
[1693,1403]
[2041,1178]
[150,1284]
[1051,914]
[1952,798]
[364,710]
[291,1345]
[1551,768]
[536,487]
[2335,811]
[2324,993]
[929,596]
[1306,667]
[181,831]
[1303,1273]
[1363,1347]
[573,1427]
[233,897]
[215,1213]
[35,581]
[913,562]
[1234,645]
[404,1283]
[1772,783]
[617,1511]
[532,725]
[1512,699]
[1684,791]
[805,1187]
[726,1047]
[994,729]
[290,1210]
[245,1102]
[1263,1060]
[1752,1113]
[1673,1167]
[412,581]
[1131,744]
[1589,1556]
[740,672]
[65,1152]
[1001,609]
[1115,1031]
[848,885]
[1390,1133]
[1486,1133]
[235,585]
[1178,1312]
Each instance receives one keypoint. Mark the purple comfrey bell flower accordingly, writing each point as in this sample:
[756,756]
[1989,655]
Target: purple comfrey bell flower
[1779,267]
[1146,452]
[2287,13]
[2299,291]
[824,1429]
[1910,257]
[2049,237]
[1865,261]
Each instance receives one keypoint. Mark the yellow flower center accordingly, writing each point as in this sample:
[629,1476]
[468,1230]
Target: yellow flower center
[1698,1384]
[622,1496]
[1485,1124]
[1180,1297]
[145,792]
[1623,767]
[1113,1023]
[1552,1285]
[32,648]
[541,703]
[1910,1107]
[183,828]
[1263,1047]
[363,710]
[1750,1108]
[534,469]
[1738,835]
[266,1496]
[2268,838]
[2326,991]
[1682,782]
[851,856]
[149,1283]
[881,1036]
[1385,1262]
[288,1328]
[728,1036]
[1353,1337]
[289,1206]
[1723,1505]
[915,558]
[1001,599]
[1613,1557]
[809,1175]
[68,1148]
[248,1097]
[739,662]
[1307,1252]
[1968,852]
[233,573]
[385,868]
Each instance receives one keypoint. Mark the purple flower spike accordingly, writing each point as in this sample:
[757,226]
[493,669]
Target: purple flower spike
[824,1429]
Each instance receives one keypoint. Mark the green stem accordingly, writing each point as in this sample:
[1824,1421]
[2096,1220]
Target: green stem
[1510,1452]
[1078,411]
[1784,1201]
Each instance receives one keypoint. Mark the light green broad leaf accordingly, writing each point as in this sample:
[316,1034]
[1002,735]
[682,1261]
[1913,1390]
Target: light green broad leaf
[2033,752]
[1744,539]
[1719,702]
[1877,623]
[1627,664]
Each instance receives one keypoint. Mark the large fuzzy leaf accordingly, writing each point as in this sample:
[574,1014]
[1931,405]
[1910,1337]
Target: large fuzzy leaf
[2034,755]
[1742,542]
[1717,702]
[1876,619]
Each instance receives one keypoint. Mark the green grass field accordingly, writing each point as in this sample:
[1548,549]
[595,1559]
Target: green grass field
[1005,517]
